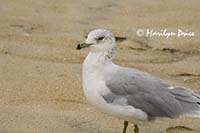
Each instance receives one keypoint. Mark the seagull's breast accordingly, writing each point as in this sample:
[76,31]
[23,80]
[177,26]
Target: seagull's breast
[94,86]
[93,83]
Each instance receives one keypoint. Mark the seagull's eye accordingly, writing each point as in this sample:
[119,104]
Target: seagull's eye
[100,38]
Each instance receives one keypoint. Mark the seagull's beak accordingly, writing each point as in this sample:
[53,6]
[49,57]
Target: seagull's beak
[83,45]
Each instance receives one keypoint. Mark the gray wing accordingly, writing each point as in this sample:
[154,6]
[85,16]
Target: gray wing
[148,93]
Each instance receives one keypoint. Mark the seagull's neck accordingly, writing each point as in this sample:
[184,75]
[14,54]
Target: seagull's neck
[99,58]
[96,61]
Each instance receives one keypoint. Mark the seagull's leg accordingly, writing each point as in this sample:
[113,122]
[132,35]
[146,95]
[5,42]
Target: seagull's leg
[125,126]
[136,130]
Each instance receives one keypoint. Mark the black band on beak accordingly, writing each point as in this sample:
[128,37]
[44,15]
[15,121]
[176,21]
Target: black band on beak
[78,47]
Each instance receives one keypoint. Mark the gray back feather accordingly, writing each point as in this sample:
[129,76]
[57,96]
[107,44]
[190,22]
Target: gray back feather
[149,94]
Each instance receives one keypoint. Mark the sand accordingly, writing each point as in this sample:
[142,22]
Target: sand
[40,69]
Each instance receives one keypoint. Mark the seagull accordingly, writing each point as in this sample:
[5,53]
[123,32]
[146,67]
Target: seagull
[129,94]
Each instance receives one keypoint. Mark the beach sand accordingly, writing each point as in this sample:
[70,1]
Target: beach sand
[40,68]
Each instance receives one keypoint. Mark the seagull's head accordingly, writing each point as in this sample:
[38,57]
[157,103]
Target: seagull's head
[99,40]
